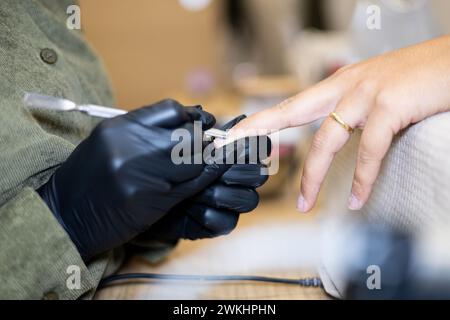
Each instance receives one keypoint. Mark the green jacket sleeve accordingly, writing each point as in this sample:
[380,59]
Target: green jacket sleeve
[37,257]
[35,252]
[38,260]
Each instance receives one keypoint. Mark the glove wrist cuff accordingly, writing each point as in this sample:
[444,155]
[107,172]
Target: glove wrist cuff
[48,193]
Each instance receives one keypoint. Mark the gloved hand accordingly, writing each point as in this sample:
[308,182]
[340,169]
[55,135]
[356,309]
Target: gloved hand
[215,211]
[121,180]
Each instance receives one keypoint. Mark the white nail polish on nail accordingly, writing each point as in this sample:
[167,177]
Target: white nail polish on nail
[354,203]
[301,204]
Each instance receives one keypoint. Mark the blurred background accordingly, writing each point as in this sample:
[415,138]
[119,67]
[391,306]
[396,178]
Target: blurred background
[241,56]
[157,48]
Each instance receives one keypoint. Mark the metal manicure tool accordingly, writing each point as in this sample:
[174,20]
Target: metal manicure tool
[40,101]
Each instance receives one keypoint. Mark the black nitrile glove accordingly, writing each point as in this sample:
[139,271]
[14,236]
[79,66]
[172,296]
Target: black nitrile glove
[121,179]
[215,211]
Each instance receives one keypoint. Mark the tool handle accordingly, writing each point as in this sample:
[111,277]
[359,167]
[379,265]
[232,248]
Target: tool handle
[102,112]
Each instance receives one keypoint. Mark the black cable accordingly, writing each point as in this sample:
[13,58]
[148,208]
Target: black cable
[305,282]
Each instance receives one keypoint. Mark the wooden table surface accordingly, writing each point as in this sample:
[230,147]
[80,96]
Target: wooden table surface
[267,242]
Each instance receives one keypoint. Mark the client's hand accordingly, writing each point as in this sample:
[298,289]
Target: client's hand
[381,96]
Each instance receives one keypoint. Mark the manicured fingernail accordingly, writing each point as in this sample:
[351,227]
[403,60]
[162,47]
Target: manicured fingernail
[302,205]
[354,203]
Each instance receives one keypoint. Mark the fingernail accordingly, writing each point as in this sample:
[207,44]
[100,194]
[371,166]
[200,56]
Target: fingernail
[302,206]
[354,203]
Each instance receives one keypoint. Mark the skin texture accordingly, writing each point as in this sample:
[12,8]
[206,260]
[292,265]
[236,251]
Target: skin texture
[381,96]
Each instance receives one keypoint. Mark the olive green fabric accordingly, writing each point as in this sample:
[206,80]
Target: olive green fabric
[35,252]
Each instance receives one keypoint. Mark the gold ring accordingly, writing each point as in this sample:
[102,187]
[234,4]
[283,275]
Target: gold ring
[341,122]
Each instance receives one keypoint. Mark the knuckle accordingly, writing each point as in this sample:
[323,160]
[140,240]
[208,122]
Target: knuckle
[365,155]
[318,144]
[366,87]
[284,110]
[343,70]
[320,141]
[168,107]
[392,120]
[349,71]
[105,131]
[383,100]
[325,141]
[357,182]
[360,185]
[171,103]
[284,105]
[362,182]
